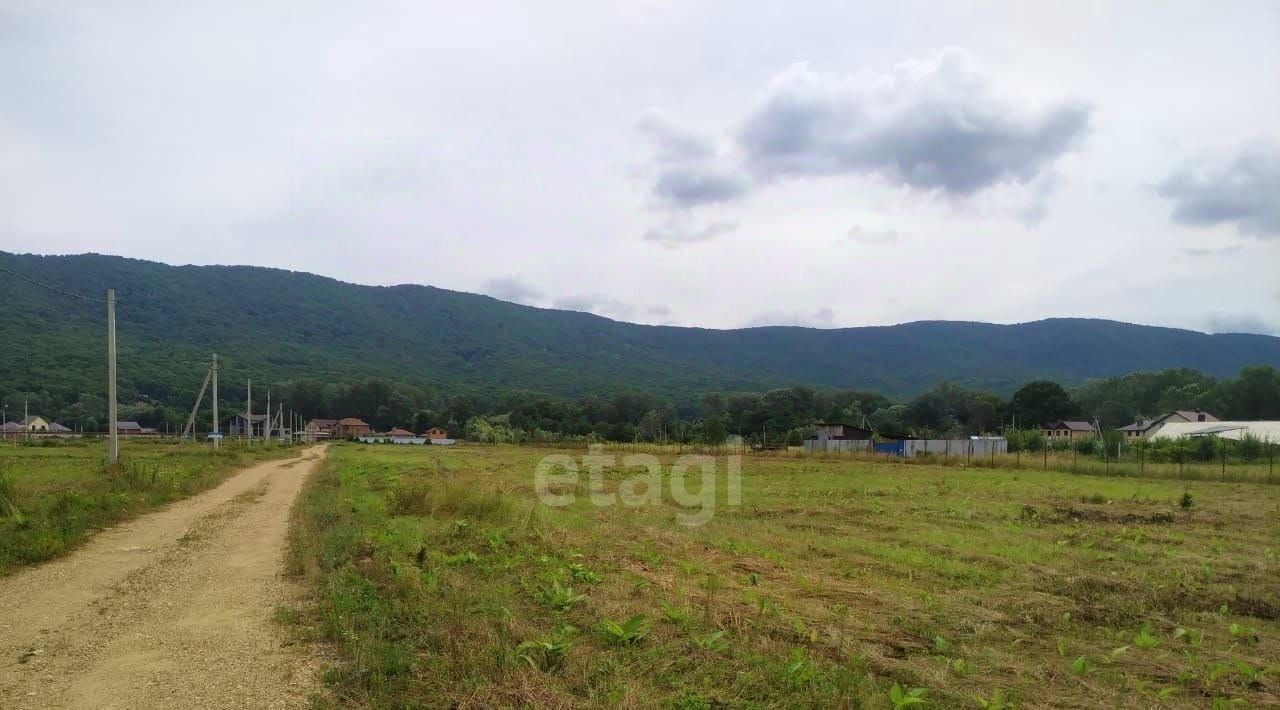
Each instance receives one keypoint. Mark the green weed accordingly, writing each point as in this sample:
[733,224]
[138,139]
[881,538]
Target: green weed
[558,596]
[905,698]
[630,632]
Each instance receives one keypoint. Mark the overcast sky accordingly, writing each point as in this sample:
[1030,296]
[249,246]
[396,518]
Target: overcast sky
[697,163]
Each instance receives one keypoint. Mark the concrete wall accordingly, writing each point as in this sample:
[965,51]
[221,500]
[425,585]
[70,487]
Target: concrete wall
[854,445]
[955,448]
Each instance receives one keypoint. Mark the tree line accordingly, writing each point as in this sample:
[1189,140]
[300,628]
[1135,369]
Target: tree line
[784,414]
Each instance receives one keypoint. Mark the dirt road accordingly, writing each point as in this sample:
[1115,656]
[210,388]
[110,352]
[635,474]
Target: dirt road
[172,610]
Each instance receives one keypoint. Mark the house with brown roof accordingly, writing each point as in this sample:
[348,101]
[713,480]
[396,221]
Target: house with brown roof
[435,434]
[1068,430]
[351,427]
[322,429]
[134,429]
[1144,428]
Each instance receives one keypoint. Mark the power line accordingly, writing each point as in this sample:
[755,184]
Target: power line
[53,288]
[121,312]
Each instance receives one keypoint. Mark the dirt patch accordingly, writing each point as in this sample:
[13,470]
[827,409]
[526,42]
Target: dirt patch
[173,609]
[1102,515]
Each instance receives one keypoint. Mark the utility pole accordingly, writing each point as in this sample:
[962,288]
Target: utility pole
[217,435]
[113,446]
[266,423]
[248,415]
[26,423]
[189,429]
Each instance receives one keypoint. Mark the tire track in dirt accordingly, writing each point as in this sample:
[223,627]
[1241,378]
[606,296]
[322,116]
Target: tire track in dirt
[173,609]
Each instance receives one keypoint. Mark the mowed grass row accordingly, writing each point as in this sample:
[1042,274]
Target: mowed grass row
[55,494]
[444,582]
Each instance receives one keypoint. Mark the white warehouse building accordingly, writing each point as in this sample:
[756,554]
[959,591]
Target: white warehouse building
[1264,430]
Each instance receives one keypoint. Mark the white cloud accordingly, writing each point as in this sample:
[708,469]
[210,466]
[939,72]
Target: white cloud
[679,229]
[513,289]
[820,318]
[869,237]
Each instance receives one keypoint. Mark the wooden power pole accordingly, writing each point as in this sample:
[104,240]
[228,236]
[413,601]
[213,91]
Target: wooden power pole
[113,444]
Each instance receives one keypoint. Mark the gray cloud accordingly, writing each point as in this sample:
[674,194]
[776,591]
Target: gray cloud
[1244,190]
[678,230]
[511,288]
[672,142]
[1226,323]
[1213,251]
[872,236]
[821,318]
[689,186]
[932,125]
[690,173]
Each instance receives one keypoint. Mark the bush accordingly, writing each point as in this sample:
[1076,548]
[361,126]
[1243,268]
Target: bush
[1250,448]
[1087,446]
[1025,440]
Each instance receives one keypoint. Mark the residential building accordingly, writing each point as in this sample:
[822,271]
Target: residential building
[11,430]
[843,431]
[838,436]
[134,429]
[34,424]
[1145,428]
[322,429]
[1068,430]
[351,427]
[435,434]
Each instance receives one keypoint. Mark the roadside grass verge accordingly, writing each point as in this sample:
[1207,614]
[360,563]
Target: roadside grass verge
[52,498]
[443,582]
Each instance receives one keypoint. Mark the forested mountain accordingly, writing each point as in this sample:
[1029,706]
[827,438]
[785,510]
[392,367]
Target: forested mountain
[275,326]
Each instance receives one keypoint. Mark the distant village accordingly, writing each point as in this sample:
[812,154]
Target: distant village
[1178,424]
[828,436]
[255,426]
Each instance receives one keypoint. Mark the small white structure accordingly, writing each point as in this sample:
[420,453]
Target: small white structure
[388,439]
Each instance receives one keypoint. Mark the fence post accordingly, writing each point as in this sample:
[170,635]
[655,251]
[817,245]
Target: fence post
[1045,448]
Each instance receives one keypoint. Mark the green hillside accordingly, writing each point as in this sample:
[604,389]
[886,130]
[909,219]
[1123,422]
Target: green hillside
[275,325]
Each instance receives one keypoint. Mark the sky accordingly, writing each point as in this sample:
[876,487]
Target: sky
[715,164]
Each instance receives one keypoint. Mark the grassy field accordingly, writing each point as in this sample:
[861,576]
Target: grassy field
[444,582]
[1263,469]
[53,495]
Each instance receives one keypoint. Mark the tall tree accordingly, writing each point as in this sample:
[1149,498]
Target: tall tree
[1043,401]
